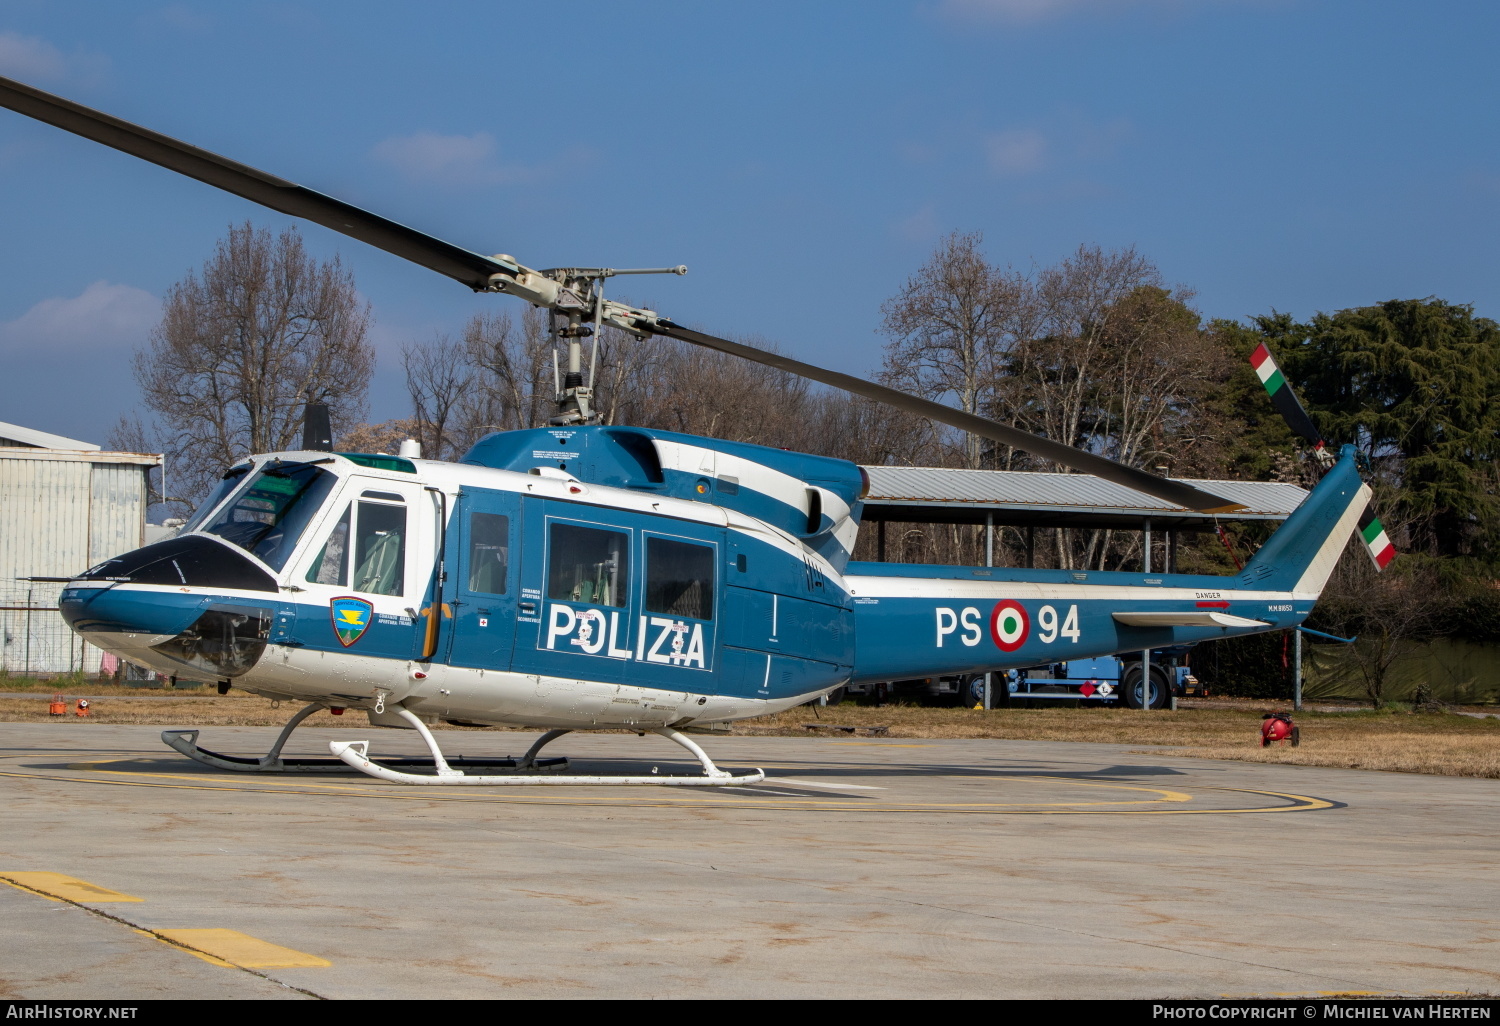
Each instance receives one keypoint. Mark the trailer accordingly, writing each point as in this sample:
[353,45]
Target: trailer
[1106,680]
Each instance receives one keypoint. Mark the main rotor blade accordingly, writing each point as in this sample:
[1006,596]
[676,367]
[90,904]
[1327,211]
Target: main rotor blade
[472,269]
[475,270]
[1084,462]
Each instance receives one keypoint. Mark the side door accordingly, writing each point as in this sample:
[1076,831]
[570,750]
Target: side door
[369,570]
[577,597]
[677,647]
[483,537]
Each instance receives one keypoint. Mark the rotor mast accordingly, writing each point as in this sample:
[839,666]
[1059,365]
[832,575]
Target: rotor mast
[577,310]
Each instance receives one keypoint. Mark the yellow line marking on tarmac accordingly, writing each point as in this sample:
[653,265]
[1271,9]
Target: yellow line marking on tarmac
[1166,795]
[234,950]
[57,886]
[1296,803]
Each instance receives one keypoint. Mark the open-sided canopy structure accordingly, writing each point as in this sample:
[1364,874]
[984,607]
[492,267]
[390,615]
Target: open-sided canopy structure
[1004,498]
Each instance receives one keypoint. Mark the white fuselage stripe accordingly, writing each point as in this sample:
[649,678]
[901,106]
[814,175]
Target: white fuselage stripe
[917,588]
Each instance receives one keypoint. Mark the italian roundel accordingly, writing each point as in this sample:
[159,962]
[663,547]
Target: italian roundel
[1009,625]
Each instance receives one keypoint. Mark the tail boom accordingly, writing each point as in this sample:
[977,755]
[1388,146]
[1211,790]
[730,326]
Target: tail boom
[915,621]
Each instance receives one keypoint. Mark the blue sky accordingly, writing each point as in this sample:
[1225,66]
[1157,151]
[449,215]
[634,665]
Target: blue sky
[802,158]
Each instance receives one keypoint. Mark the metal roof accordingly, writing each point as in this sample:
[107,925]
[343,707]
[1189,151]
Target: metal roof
[1016,498]
[14,436]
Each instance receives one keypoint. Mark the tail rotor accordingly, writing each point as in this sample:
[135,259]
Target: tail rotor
[1377,543]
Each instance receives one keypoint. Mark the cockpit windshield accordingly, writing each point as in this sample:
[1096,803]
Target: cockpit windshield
[233,478]
[268,516]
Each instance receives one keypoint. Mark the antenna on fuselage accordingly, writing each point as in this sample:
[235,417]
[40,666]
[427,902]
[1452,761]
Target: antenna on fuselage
[581,297]
[317,428]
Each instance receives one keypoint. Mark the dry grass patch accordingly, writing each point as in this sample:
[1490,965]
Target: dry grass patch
[84,686]
[226,711]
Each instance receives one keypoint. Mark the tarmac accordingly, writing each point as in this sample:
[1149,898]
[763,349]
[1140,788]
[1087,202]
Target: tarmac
[861,868]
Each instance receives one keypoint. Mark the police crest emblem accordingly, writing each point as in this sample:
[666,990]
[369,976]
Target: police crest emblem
[351,618]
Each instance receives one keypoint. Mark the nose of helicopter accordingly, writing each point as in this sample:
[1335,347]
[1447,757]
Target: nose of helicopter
[150,606]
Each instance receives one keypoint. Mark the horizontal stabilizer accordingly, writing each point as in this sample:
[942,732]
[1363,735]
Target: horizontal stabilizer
[1186,618]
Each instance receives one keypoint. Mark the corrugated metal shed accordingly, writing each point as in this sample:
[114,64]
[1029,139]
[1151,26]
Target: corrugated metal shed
[1015,498]
[16,436]
[61,511]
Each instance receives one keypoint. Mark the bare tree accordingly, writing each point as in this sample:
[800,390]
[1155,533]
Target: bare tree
[513,383]
[1109,361]
[438,380]
[1052,377]
[1391,613]
[949,325]
[243,345]
[385,437]
[130,434]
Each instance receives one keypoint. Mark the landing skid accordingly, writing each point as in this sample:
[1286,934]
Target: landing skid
[357,755]
[186,742]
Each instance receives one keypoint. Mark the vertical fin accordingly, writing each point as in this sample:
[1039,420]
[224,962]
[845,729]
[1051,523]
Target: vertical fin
[1301,554]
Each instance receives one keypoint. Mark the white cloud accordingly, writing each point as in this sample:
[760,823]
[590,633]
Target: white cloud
[921,227]
[1024,12]
[103,316]
[180,17]
[1021,151]
[1067,140]
[1005,10]
[31,59]
[447,159]
[27,57]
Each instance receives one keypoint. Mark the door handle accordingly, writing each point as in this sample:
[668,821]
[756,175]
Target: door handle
[528,607]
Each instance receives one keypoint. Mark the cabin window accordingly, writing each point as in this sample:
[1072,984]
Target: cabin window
[332,564]
[679,579]
[489,552]
[380,549]
[586,564]
[270,514]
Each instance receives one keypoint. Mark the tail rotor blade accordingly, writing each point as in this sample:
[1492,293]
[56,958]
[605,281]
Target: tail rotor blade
[1284,399]
[1084,462]
[1372,532]
[1377,542]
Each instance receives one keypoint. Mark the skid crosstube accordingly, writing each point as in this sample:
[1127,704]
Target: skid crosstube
[186,742]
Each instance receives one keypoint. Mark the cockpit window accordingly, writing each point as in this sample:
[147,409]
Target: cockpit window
[332,564]
[380,549]
[233,478]
[268,516]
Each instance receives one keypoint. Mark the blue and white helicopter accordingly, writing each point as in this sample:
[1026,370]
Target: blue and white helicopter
[586,577]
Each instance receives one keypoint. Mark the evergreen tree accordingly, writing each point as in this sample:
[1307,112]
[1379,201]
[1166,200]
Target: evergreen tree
[1413,382]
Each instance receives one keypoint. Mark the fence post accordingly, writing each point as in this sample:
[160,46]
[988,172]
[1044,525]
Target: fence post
[989,560]
[1146,652]
[1297,672]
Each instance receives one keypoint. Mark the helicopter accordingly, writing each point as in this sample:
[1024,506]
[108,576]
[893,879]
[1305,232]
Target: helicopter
[583,576]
